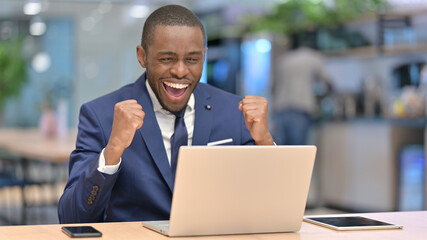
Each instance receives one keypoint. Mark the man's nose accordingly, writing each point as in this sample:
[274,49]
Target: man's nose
[179,69]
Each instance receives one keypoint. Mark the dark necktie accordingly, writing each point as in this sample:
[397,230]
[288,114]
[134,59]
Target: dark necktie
[178,139]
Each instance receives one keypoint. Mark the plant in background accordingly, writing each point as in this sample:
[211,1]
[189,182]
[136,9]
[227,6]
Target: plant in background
[295,16]
[12,70]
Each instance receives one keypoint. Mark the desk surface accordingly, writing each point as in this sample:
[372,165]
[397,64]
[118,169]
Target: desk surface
[414,228]
[32,144]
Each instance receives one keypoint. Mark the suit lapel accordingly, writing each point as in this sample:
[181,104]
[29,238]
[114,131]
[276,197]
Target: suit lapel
[151,133]
[204,115]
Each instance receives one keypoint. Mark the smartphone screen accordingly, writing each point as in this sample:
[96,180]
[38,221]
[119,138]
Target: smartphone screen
[350,223]
[81,231]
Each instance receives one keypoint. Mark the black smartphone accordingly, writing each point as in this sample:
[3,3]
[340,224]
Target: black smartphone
[81,231]
[343,223]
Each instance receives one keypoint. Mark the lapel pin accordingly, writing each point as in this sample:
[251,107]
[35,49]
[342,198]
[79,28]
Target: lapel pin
[208,107]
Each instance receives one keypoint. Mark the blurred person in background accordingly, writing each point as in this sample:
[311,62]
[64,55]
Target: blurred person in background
[294,98]
[123,167]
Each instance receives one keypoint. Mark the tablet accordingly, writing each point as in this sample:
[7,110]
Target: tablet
[351,223]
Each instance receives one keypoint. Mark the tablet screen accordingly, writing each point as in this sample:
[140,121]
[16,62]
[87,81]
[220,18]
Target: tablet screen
[350,223]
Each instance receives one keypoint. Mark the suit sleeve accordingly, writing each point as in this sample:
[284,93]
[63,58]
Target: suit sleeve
[88,191]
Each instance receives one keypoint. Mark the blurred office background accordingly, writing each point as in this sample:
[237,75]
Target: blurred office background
[369,115]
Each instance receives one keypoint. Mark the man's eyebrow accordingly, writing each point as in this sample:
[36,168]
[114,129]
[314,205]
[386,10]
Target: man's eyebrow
[195,52]
[167,53]
[174,53]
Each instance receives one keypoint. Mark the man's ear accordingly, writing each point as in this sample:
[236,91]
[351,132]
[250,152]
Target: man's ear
[142,56]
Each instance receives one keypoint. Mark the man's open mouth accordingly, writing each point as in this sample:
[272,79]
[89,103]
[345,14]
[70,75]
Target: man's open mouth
[175,89]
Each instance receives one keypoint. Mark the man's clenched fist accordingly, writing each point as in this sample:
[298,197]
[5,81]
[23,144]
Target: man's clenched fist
[128,117]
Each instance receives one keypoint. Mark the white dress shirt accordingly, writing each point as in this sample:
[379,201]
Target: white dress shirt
[166,121]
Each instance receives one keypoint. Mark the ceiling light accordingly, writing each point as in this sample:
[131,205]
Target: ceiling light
[139,11]
[32,8]
[263,45]
[41,62]
[37,28]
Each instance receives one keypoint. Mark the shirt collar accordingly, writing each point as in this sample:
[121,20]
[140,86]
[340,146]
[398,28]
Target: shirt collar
[156,104]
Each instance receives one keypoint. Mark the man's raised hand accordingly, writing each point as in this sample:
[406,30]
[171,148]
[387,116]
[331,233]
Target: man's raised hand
[255,112]
[128,117]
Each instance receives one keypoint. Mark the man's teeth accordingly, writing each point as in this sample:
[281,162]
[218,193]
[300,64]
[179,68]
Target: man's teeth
[176,85]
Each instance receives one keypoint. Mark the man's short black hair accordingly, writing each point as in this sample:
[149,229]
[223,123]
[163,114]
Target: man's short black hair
[169,15]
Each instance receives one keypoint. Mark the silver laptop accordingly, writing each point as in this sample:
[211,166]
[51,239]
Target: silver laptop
[238,190]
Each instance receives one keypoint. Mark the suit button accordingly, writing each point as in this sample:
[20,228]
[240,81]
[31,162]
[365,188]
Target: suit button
[90,199]
[95,188]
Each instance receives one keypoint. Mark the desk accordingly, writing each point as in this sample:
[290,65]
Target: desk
[31,144]
[414,228]
[28,157]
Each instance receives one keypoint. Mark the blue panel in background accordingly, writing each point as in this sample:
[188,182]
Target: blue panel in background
[412,175]
[204,78]
[256,57]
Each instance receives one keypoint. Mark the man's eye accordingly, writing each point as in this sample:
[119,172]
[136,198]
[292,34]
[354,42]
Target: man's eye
[166,59]
[193,60]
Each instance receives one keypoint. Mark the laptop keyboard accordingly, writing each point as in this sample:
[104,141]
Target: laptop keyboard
[164,226]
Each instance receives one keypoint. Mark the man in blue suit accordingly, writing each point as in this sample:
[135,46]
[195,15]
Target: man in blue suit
[121,167]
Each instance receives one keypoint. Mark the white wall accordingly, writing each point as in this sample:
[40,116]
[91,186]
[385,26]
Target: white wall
[106,55]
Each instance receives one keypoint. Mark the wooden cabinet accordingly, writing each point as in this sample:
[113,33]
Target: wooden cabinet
[358,162]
